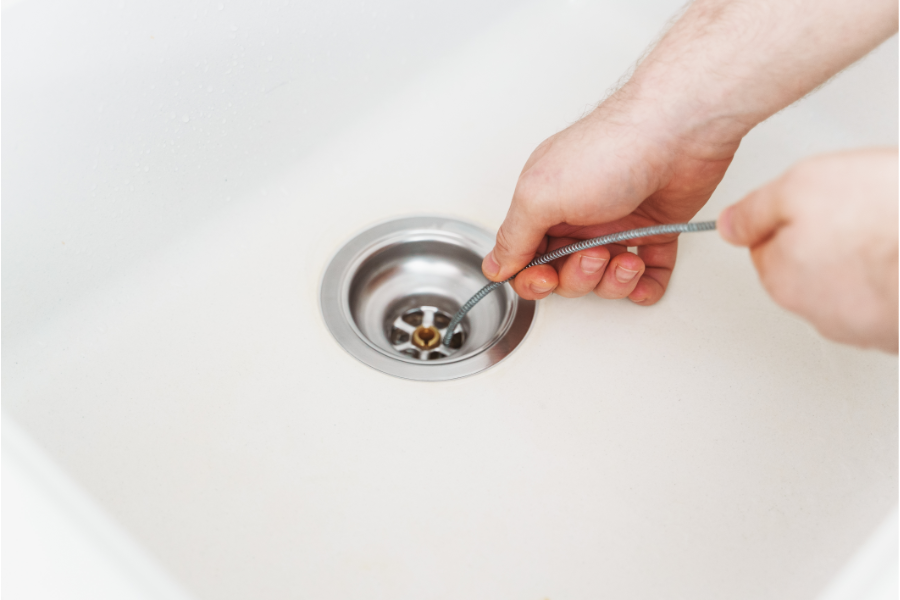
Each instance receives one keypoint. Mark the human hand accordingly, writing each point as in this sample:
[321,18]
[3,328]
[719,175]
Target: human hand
[619,168]
[823,237]
[654,152]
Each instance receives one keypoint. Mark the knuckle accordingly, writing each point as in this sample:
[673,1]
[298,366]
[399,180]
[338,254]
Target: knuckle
[542,148]
[536,185]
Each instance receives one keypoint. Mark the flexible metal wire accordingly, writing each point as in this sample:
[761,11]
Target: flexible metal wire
[577,247]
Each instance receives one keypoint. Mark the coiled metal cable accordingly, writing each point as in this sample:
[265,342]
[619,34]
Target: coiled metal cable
[577,247]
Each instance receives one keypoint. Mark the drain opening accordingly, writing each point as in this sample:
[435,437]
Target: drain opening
[418,333]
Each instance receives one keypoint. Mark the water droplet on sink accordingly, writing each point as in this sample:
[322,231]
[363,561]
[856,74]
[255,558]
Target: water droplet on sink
[185,118]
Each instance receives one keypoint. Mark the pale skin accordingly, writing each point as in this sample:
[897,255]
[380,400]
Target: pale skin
[823,237]
[636,160]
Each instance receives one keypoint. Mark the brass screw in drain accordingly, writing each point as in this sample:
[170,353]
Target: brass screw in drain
[419,331]
[426,338]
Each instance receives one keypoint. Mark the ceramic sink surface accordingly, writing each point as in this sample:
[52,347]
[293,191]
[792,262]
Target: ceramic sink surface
[176,176]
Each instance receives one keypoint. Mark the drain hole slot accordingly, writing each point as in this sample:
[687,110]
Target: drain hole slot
[414,317]
[398,336]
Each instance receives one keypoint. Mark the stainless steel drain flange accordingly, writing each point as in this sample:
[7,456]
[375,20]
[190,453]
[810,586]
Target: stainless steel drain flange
[389,293]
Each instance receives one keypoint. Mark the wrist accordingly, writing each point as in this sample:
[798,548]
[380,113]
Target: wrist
[686,121]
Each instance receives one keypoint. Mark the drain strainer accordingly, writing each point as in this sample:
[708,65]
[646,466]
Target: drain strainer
[419,332]
[389,293]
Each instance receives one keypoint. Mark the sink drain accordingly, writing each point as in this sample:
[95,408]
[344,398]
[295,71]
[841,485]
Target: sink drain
[388,296]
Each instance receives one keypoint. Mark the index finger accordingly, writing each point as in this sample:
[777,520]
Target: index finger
[518,238]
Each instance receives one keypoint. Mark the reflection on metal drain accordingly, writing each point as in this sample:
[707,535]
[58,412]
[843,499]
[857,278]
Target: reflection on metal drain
[419,332]
[389,293]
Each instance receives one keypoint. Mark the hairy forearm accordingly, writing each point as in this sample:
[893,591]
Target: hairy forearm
[727,65]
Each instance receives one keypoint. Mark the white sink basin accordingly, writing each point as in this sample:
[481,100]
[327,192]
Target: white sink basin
[176,176]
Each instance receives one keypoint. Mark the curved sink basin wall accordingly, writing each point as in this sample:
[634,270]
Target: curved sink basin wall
[175,181]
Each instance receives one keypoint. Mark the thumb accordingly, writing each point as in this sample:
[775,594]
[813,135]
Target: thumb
[518,240]
[754,219]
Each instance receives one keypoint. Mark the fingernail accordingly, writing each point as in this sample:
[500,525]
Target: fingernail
[625,275]
[723,224]
[591,264]
[538,288]
[726,226]
[490,265]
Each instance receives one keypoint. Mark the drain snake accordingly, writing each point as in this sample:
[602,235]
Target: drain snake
[577,247]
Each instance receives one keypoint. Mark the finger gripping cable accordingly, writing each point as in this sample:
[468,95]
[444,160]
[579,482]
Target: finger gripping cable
[577,247]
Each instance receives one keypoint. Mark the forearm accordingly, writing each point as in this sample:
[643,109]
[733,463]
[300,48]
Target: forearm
[727,65]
